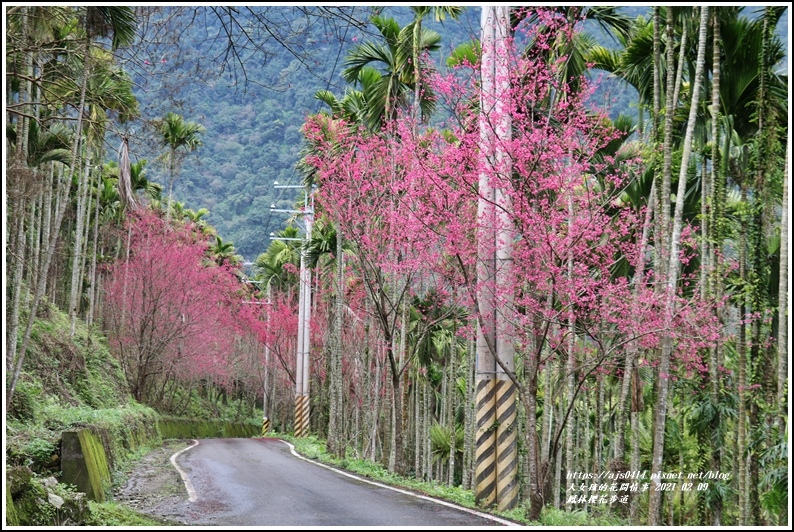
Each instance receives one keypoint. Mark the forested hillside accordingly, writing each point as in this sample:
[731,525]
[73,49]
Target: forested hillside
[514,278]
[252,111]
[253,104]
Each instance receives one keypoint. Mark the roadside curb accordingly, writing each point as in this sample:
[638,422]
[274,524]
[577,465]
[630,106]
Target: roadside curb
[191,493]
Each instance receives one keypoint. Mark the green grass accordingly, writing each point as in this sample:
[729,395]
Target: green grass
[114,514]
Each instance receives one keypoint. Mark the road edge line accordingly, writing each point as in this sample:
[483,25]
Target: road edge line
[405,492]
[191,493]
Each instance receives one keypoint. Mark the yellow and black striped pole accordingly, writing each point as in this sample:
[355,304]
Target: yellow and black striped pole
[485,441]
[301,416]
[506,444]
[496,452]
[265,426]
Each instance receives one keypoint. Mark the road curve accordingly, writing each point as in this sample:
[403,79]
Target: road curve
[259,482]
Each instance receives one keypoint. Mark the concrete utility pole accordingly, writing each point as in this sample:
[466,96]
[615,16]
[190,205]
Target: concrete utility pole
[266,380]
[302,401]
[495,454]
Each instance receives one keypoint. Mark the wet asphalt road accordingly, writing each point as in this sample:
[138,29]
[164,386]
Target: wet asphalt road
[259,482]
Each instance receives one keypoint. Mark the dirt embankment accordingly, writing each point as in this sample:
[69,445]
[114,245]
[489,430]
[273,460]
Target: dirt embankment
[155,488]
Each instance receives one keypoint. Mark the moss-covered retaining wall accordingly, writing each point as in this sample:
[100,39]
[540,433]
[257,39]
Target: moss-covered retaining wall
[90,453]
[174,427]
[84,463]
[11,512]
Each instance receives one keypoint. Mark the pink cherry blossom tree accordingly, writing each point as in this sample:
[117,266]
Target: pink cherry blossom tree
[172,313]
[409,202]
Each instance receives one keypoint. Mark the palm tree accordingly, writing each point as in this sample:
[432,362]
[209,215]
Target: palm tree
[118,23]
[196,217]
[672,270]
[270,265]
[632,63]
[609,19]
[180,138]
[390,91]
[109,90]
[782,309]
[141,184]
[223,252]
[43,146]
[440,13]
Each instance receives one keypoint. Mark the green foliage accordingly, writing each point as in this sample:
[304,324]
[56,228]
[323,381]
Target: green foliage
[559,518]
[39,450]
[12,518]
[32,505]
[113,514]
[69,370]
[31,513]
[441,441]
[774,482]
[72,382]
[33,438]
[26,397]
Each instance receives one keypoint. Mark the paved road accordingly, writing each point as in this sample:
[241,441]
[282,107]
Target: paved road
[259,482]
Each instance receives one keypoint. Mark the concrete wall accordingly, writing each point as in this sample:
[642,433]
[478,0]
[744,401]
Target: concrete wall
[172,427]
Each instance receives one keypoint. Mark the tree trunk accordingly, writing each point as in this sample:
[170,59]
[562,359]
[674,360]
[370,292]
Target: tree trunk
[583,436]
[662,233]
[598,465]
[535,475]
[23,122]
[426,432]
[418,388]
[545,429]
[451,391]
[92,289]
[17,195]
[375,410]
[681,62]
[171,170]
[34,231]
[46,222]
[716,193]
[782,308]
[468,430]
[570,365]
[634,503]
[393,415]
[655,127]
[335,445]
[82,187]
[84,251]
[18,262]
[741,348]
[417,36]
[557,452]
[41,285]
[660,413]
